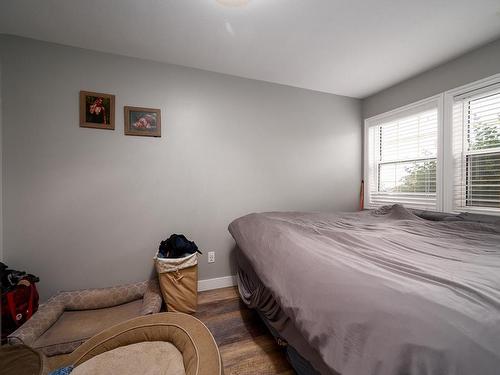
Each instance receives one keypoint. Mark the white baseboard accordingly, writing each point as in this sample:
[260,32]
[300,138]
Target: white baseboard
[219,282]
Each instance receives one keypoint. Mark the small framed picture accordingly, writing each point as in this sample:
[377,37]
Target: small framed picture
[97,110]
[142,121]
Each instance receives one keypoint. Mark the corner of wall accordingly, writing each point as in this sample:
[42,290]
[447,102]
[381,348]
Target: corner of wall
[1,164]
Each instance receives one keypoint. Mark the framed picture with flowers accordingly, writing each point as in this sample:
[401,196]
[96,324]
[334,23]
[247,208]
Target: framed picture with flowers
[142,121]
[97,110]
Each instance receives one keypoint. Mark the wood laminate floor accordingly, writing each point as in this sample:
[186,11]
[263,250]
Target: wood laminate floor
[245,344]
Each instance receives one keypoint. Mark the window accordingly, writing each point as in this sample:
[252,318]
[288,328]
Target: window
[442,153]
[476,150]
[402,157]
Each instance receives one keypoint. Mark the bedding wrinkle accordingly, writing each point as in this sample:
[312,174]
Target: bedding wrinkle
[379,292]
[361,254]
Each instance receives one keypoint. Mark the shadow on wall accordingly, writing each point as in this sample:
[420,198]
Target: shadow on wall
[233,261]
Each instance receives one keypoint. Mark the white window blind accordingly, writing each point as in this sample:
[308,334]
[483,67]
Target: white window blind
[402,158]
[476,150]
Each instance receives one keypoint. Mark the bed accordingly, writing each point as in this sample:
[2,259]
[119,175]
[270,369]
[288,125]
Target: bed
[385,291]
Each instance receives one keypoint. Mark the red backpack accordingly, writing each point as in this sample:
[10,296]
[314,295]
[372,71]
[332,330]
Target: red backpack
[18,305]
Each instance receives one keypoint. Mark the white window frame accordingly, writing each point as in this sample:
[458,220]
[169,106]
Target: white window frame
[407,110]
[445,162]
[448,162]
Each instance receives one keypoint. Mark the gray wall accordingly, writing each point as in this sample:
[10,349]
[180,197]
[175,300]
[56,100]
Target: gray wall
[475,65]
[87,208]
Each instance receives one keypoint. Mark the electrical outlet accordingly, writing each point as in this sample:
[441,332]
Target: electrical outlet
[211,257]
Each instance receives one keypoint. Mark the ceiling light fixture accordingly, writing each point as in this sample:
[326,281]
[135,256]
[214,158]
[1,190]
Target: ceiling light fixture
[233,3]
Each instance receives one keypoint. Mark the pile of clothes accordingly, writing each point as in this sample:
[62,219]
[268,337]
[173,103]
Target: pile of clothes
[9,278]
[177,246]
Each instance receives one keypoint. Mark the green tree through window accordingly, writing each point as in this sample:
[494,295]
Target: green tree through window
[483,170]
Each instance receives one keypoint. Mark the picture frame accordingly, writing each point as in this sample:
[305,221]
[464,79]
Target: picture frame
[141,121]
[97,110]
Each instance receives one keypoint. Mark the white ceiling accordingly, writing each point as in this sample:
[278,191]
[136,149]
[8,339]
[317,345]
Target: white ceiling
[346,47]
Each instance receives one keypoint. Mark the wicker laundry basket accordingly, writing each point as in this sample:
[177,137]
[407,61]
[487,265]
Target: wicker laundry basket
[178,279]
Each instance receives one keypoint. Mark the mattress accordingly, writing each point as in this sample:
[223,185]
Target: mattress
[381,292]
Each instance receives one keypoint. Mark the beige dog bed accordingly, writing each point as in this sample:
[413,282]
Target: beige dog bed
[166,343]
[68,319]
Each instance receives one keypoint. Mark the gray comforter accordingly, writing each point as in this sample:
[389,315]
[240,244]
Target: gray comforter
[383,292]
